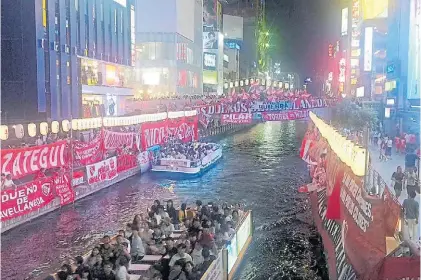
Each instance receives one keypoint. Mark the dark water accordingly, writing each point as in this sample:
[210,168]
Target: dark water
[260,169]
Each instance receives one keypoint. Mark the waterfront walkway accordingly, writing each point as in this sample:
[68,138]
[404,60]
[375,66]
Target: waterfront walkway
[386,169]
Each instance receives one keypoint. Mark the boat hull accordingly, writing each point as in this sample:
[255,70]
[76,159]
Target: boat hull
[176,172]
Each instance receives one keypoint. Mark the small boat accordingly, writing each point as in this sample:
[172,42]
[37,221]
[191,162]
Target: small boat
[188,168]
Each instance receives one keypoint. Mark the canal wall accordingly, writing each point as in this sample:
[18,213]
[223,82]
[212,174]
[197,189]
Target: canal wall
[221,130]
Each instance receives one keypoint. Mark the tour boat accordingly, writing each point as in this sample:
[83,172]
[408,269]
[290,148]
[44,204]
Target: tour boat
[187,168]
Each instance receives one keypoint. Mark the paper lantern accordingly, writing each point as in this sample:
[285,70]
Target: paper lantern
[65,125]
[55,127]
[75,125]
[43,128]
[32,130]
[4,132]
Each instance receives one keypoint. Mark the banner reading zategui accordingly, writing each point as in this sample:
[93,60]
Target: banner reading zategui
[27,198]
[156,133]
[25,161]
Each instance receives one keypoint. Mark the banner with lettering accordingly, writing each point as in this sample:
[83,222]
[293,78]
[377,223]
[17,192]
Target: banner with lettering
[114,140]
[362,219]
[102,171]
[78,178]
[156,133]
[237,118]
[208,111]
[64,189]
[88,153]
[285,116]
[284,105]
[126,162]
[25,161]
[26,198]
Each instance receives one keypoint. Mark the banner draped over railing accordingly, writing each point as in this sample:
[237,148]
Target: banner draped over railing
[25,161]
[156,133]
[353,224]
[53,172]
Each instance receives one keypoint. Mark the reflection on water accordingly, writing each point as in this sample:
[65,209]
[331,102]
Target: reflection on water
[260,168]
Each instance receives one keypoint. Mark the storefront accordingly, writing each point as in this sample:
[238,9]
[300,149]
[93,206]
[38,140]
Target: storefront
[106,88]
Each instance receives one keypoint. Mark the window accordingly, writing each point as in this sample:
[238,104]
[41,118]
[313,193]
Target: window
[115,21]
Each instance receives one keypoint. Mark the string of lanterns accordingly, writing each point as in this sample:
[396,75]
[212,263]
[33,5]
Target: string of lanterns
[349,152]
[262,82]
[88,123]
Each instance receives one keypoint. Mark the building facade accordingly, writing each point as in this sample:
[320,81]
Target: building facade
[70,58]
[168,48]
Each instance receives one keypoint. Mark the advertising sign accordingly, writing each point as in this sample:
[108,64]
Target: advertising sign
[26,199]
[372,9]
[414,51]
[344,23]
[102,171]
[368,48]
[210,77]
[25,161]
[232,252]
[210,40]
[209,61]
[210,15]
[215,270]
[243,233]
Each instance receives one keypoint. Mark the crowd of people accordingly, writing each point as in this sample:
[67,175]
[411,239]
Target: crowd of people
[174,148]
[188,239]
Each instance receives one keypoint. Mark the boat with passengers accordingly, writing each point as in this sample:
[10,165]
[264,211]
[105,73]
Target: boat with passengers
[201,158]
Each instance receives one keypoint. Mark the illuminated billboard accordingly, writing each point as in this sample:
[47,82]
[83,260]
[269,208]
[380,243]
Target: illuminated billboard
[368,48]
[344,26]
[210,40]
[209,61]
[374,9]
[210,77]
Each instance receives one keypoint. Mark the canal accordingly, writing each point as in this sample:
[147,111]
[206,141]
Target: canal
[260,169]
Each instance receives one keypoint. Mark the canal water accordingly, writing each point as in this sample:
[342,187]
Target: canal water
[260,169]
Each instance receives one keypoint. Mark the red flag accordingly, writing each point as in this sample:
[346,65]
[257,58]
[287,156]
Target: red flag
[333,211]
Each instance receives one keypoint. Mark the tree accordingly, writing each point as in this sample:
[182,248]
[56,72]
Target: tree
[349,115]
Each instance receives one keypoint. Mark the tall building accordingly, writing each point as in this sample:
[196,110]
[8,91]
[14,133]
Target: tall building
[404,63]
[252,12]
[213,48]
[168,47]
[65,58]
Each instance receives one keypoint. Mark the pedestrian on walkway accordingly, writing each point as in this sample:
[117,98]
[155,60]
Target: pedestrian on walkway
[411,180]
[411,214]
[397,181]
[389,145]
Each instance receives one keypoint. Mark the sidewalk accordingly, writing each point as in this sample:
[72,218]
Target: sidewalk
[386,169]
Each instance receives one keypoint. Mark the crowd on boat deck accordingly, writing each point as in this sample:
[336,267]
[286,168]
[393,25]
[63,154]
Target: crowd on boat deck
[175,149]
[187,238]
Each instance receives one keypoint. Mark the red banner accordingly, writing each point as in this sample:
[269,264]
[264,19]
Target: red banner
[64,189]
[392,212]
[285,115]
[26,198]
[78,178]
[25,161]
[102,171]
[88,153]
[114,140]
[362,217]
[156,133]
[400,268]
[126,162]
[237,118]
